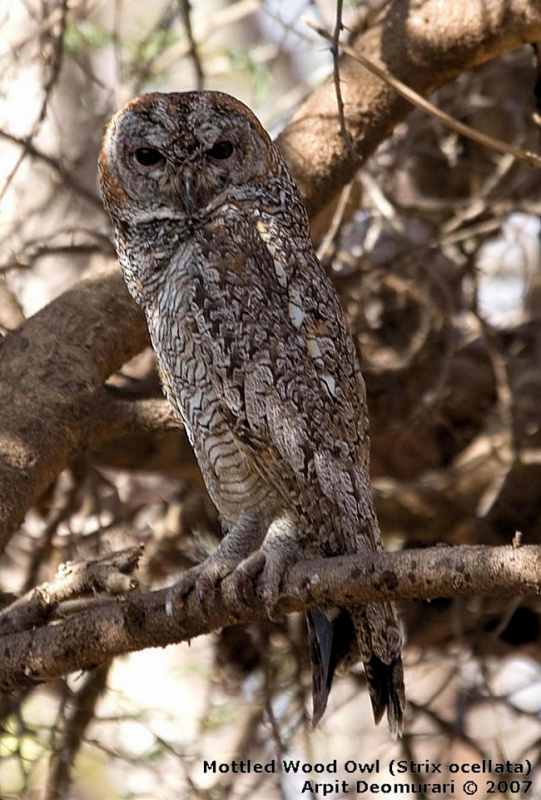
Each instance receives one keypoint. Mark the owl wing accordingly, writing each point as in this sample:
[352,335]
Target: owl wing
[285,366]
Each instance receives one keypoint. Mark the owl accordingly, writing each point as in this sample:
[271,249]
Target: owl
[256,360]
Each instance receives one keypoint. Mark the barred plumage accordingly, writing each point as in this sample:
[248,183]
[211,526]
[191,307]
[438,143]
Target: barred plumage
[255,355]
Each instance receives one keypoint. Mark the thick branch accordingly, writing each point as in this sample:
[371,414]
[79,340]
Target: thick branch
[158,618]
[420,44]
[117,418]
[52,370]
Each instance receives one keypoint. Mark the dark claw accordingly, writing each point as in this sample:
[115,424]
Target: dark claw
[244,575]
[206,589]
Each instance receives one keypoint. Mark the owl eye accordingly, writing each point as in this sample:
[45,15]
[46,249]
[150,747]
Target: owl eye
[148,156]
[221,150]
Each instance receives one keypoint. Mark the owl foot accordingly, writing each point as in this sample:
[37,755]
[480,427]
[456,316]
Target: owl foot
[273,562]
[243,539]
[203,578]
[214,570]
[246,573]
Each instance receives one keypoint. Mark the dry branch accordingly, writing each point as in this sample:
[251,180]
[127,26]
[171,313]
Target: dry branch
[505,148]
[110,573]
[156,619]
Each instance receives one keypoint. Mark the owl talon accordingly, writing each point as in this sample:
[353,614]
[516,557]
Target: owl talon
[272,567]
[271,596]
[245,574]
[184,586]
[213,572]
[278,559]
[204,578]
[206,589]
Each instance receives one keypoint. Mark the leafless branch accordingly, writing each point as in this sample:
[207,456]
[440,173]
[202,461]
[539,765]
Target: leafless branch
[106,574]
[34,152]
[159,618]
[410,43]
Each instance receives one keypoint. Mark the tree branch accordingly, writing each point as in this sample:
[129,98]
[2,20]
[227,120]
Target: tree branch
[418,46]
[52,371]
[116,418]
[156,619]
[499,146]
[110,573]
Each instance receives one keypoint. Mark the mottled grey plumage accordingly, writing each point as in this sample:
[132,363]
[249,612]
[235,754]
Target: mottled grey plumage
[255,356]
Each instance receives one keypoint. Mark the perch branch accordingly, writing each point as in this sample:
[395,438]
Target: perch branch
[156,619]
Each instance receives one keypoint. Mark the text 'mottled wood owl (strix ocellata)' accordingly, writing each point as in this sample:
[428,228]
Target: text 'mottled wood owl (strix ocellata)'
[255,357]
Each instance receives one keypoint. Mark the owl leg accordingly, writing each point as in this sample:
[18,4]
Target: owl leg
[281,548]
[245,537]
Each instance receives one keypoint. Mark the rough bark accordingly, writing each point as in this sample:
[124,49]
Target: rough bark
[156,619]
[52,371]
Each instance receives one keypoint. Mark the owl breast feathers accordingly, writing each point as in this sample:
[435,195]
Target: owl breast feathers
[256,359]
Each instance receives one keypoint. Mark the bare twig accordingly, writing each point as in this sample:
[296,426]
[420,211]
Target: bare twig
[336,77]
[54,62]
[193,52]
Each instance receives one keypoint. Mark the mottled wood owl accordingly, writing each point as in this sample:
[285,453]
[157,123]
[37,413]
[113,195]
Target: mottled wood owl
[256,359]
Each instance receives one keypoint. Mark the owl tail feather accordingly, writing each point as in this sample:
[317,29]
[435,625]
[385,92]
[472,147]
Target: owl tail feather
[331,635]
[330,640]
[386,690]
[320,638]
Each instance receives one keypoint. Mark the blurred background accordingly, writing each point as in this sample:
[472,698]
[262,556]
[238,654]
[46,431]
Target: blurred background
[434,247]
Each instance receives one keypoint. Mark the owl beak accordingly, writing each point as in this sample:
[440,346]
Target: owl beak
[187,190]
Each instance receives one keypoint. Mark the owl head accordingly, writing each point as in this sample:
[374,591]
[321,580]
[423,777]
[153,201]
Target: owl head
[172,156]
